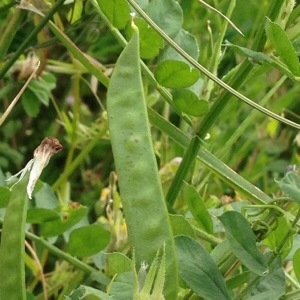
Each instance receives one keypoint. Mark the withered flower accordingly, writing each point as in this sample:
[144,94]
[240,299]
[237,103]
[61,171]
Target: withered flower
[41,156]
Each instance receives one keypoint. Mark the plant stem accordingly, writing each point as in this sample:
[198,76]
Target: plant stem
[210,161]
[210,75]
[12,23]
[61,254]
[184,167]
[92,65]
[163,91]
[214,61]
[283,241]
[30,37]
[76,162]
[207,237]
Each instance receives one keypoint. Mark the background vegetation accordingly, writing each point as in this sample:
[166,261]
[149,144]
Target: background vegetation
[180,133]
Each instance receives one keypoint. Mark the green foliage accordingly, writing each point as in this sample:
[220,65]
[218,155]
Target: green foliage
[243,243]
[290,185]
[88,293]
[296,261]
[189,103]
[69,218]
[274,239]
[197,208]
[175,74]
[82,240]
[283,46]
[199,271]
[270,286]
[117,12]
[38,92]
[178,176]
[150,41]
[167,15]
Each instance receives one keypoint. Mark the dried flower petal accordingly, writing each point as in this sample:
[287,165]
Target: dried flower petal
[41,156]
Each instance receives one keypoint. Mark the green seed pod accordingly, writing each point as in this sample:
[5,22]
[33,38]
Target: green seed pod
[12,274]
[141,192]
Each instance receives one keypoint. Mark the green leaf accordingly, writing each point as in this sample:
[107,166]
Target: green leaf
[290,185]
[40,215]
[30,103]
[167,15]
[116,11]
[261,57]
[292,26]
[274,239]
[188,102]
[150,41]
[61,225]
[117,263]
[243,242]
[122,287]
[181,226]
[4,196]
[296,264]
[199,271]
[238,280]
[283,46]
[75,12]
[88,240]
[197,208]
[256,56]
[220,251]
[42,87]
[187,42]
[271,286]
[88,293]
[175,74]
[45,197]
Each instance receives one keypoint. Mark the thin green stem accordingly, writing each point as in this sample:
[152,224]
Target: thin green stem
[7,6]
[30,37]
[208,73]
[292,295]
[89,63]
[207,237]
[292,281]
[120,38]
[195,143]
[61,254]
[183,169]
[240,74]
[271,206]
[249,120]
[214,61]
[75,120]
[12,24]
[210,161]
[76,162]
[284,240]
